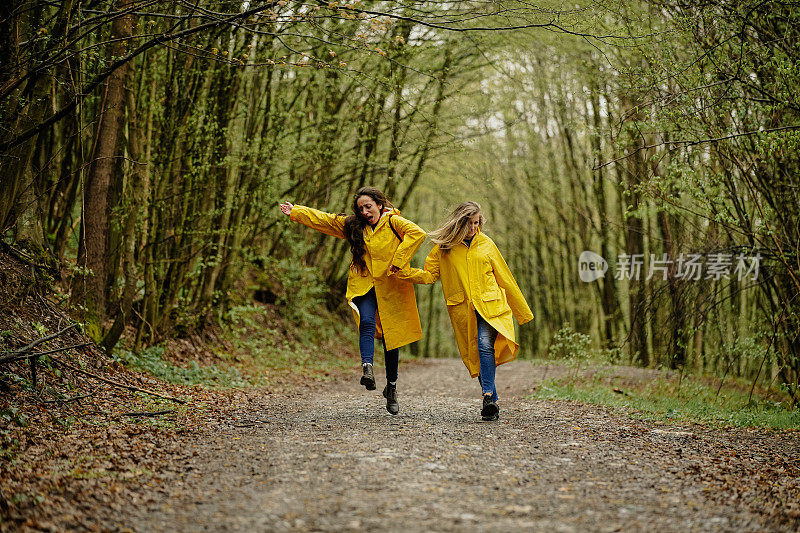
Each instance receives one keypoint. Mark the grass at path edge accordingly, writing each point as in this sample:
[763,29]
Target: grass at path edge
[666,397]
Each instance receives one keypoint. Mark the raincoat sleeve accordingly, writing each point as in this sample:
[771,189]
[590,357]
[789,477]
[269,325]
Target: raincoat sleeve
[413,237]
[319,220]
[427,276]
[522,312]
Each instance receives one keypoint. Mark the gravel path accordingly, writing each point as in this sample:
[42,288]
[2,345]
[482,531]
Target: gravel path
[333,459]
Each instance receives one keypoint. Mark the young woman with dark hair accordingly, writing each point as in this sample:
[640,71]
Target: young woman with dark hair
[382,243]
[481,297]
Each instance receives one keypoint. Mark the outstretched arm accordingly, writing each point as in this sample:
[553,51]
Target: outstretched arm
[427,276]
[516,300]
[413,237]
[313,218]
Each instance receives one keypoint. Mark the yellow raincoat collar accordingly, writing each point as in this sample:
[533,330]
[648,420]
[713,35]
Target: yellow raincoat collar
[384,217]
[474,237]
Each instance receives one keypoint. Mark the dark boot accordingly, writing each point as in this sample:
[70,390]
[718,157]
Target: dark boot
[390,393]
[490,409]
[368,378]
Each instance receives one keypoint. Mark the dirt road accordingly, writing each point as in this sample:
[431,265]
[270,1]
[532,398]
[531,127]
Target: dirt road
[333,459]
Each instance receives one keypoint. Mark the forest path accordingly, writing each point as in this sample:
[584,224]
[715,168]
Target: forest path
[333,459]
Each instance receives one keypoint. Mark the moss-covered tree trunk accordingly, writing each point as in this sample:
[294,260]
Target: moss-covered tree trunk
[103,168]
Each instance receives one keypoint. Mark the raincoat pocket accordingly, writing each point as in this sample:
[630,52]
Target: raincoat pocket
[493,302]
[455,298]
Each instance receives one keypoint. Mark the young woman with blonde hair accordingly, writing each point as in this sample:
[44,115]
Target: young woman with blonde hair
[481,297]
[382,243]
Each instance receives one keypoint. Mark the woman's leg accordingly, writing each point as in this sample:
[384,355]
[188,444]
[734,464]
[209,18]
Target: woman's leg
[495,397]
[367,306]
[486,337]
[392,358]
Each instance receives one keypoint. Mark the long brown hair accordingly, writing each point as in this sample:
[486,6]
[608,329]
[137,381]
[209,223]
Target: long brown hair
[355,224]
[457,225]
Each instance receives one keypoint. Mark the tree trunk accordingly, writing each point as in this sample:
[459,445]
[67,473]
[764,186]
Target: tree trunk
[98,181]
[135,202]
[635,168]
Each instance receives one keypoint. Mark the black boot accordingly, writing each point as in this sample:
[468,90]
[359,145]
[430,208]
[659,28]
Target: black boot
[368,378]
[390,393]
[490,409]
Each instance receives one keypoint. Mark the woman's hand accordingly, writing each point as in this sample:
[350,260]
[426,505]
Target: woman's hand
[287,208]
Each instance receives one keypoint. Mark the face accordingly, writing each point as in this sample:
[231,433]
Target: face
[474,224]
[369,209]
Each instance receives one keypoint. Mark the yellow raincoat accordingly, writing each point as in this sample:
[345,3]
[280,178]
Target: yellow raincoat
[398,318]
[476,278]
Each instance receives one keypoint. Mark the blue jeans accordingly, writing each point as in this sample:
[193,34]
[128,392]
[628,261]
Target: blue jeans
[486,337]
[367,309]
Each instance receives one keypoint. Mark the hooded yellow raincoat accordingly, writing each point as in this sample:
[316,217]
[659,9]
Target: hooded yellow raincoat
[476,278]
[398,318]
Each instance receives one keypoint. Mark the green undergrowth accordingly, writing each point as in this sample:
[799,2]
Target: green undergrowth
[154,361]
[668,396]
[258,349]
[271,349]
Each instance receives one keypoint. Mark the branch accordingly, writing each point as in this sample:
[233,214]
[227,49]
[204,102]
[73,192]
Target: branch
[441,26]
[24,351]
[696,142]
[73,399]
[148,413]
[11,359]
[64,52]
[120,385]
[164,38]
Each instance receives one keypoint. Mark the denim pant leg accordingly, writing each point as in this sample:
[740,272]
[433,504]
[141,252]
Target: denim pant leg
[367,307]
[486,337]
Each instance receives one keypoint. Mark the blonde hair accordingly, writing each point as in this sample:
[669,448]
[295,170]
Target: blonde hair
[456,226]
